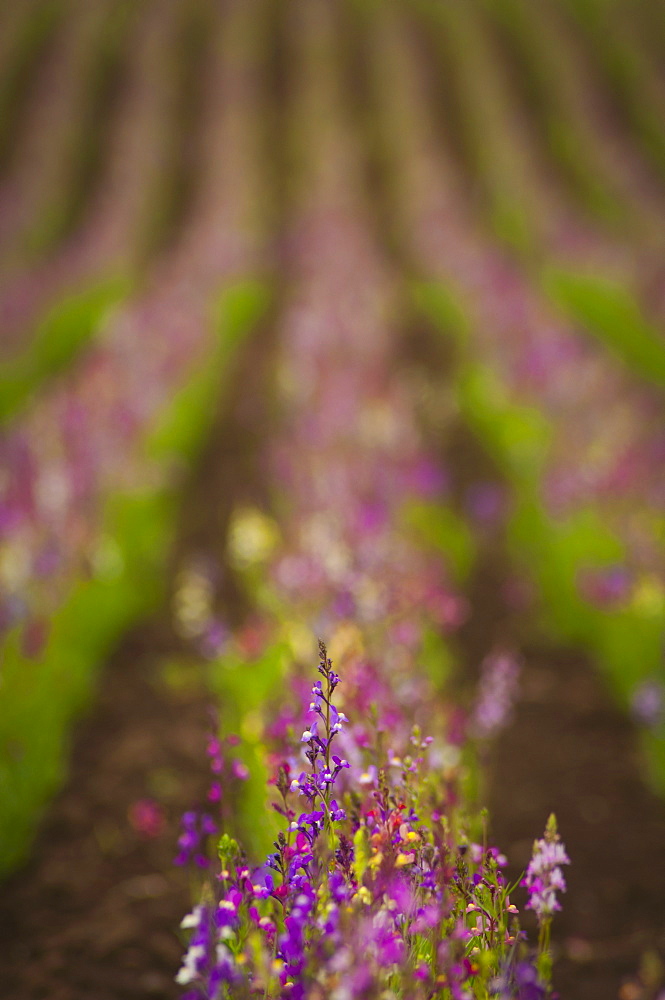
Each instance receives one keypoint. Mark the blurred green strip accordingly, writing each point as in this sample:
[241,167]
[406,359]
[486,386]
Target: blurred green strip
[245,689]
[58,337]
[626,643]
[610,312]
[437,527]
[41,696]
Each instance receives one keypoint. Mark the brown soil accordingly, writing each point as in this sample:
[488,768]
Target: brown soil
[571,751]
[95,912]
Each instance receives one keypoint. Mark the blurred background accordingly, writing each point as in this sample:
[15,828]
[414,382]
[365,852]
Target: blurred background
[174,176]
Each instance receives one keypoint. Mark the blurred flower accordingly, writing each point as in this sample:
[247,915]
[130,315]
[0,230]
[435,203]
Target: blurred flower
[487,503]
[252,537]
[648,703]
[607,587]
[147,818]
[497,692]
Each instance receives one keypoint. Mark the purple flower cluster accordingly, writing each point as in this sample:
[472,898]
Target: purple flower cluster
[192,841]
[379,888]
[519,982]
[324,766]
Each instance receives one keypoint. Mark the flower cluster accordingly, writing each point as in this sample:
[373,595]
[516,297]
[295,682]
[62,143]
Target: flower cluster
[378,888]
[544,877]
[324,767]
[191,843]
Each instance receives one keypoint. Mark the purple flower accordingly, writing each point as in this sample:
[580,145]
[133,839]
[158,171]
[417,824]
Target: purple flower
[191,842]
[521,982]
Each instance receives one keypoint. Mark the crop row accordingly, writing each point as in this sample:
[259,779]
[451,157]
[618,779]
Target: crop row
[354,897]
[580,437]
[90,470]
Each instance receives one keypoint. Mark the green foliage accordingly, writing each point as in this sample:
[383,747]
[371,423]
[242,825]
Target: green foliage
[444,308]
[41,696]
[436,659]
[245,689]
[611,313]
[439,527]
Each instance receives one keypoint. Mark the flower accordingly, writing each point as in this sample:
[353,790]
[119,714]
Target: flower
[544,877]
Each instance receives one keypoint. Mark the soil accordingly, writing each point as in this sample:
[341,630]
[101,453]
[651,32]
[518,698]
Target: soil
[573,752]
[94,912]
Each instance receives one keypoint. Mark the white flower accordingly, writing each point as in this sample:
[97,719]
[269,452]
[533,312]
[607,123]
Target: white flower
[224,956]
[189,970]
[192,919]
